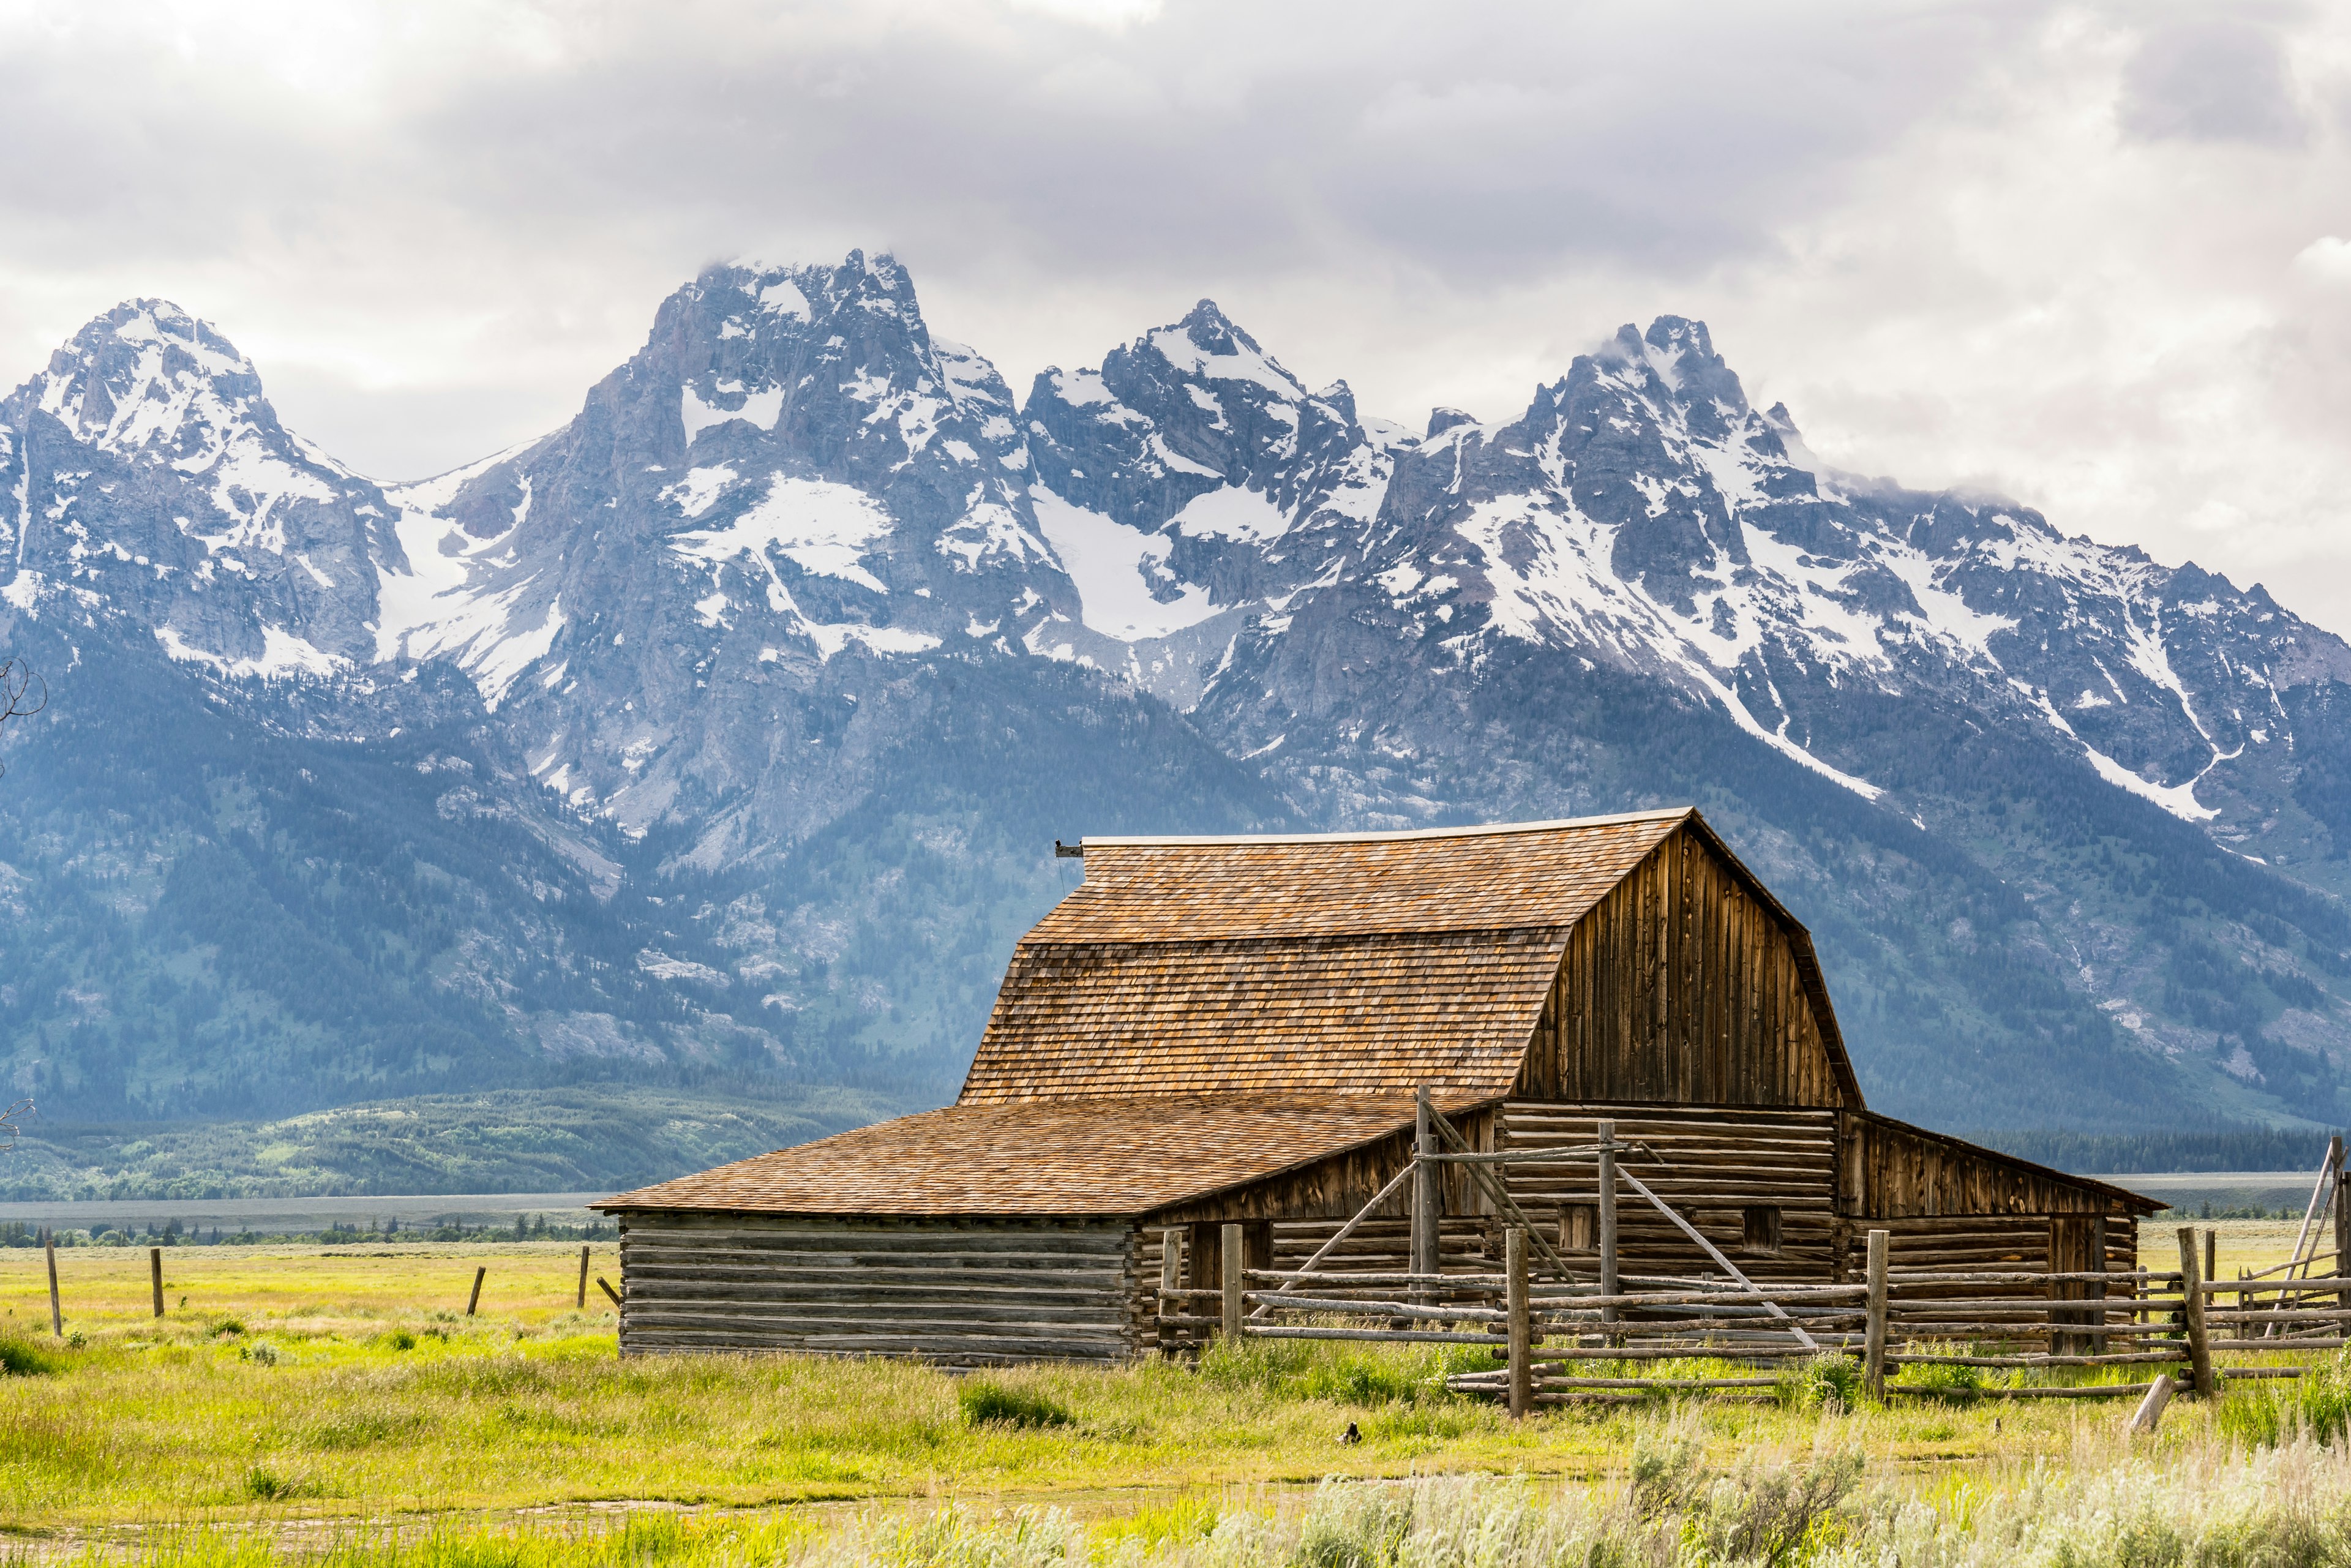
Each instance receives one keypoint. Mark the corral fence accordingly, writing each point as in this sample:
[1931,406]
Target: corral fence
[1563,1337]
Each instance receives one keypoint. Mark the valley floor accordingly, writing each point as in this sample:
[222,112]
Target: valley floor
[306,1399]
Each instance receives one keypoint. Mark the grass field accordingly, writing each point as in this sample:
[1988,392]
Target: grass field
[306,1399]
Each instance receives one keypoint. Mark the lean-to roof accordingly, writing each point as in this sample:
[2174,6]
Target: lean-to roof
[1039,1158]
[1334,964]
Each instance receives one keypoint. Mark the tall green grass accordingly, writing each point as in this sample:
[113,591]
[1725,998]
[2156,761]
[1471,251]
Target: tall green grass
[2316,1406]
[2200,1505]
[1343,1372]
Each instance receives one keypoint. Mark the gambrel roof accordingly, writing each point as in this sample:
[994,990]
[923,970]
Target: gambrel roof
[1330,964]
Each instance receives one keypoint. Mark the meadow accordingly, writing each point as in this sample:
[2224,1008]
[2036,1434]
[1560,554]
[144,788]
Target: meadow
[306,1403]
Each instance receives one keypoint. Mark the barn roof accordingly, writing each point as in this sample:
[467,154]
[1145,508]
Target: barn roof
[1106,1157]
[1322,963]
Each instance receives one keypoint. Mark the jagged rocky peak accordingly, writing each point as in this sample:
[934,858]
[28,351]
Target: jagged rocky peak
[159,486]
[148,377]
[1193,429]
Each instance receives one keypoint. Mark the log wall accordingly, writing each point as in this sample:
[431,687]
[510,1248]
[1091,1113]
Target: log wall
[1681,986]
[1711,1164]
[968,1291]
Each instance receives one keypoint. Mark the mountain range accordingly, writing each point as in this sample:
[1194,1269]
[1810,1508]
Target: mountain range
[719,740]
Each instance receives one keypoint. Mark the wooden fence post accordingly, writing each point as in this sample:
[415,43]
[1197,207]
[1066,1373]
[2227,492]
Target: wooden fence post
[475,1299]
[2342,1237]
[1171,1278]
[1873,1341]
[1236,1281]
[57,1315]
[2211,1254]
[1608,1217]
[581,1303]
[1426,1250]
[1521,1316]
[605,1286]
[155,1271]
[2191,1304]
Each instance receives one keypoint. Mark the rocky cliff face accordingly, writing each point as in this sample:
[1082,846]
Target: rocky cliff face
[784,662]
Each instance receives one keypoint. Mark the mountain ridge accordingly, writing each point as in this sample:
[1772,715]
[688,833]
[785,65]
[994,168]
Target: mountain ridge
[777,670]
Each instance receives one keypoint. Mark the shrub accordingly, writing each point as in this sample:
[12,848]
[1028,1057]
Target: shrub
[226,1328]
[20,1357]
[992,1404]
[265,1485]
[400,1339]
[1828,1382]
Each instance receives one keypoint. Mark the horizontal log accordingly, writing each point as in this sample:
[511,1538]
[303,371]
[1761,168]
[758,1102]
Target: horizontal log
[1398,1336]
[846,1261]
[2117,1358]
[1724,1295]
[890,1308]
[1569,1354]
[1480,1382]
[2279,1344]
[2093,1391]
[949,1242]
[901,1277]
[1108,1351]
[2274,1287]
[1375,1309]
[646,1317]
[856,1288]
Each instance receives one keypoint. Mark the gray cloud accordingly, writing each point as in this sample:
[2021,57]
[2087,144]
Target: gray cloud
[436,224]
[2211,79]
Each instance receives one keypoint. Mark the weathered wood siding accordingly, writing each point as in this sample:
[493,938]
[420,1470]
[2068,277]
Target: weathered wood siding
[1682,987]
[1711,1164]
[957,1290]
[1898,1172]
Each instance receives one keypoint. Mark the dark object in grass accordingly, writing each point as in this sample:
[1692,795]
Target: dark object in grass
[401,1339]
[23,1358]
[992,1404]
[1351,1436]
[226,1328]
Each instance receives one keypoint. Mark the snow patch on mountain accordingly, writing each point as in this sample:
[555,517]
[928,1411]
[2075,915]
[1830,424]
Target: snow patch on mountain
[760,409]
[1114,567]
[283,655]
[825,528]
[1231,512]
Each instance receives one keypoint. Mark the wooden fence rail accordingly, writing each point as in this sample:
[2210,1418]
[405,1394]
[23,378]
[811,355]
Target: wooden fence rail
[1541,1331]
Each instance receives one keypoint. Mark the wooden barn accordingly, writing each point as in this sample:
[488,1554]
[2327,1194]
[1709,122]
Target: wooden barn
[1212,1031]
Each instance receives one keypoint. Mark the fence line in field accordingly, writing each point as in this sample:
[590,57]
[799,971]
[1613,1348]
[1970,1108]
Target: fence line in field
[1543,1329]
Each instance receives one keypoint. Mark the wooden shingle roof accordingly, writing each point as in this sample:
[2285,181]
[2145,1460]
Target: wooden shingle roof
[1337,964]
[1039,1158]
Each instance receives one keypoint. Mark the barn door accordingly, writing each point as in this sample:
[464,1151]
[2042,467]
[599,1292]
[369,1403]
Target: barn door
[2077,1245]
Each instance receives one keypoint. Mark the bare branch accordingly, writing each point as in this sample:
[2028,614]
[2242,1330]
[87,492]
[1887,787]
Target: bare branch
[12,1124]
[23,694]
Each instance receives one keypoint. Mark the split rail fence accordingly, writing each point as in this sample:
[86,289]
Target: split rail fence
[1566,1336]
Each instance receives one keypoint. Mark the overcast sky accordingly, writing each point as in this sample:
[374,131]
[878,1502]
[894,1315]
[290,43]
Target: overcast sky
[2098,257]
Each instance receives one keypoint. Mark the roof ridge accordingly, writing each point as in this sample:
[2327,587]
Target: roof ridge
[1493,829]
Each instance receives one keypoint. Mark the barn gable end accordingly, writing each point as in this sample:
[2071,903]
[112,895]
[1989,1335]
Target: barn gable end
[1687,984]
